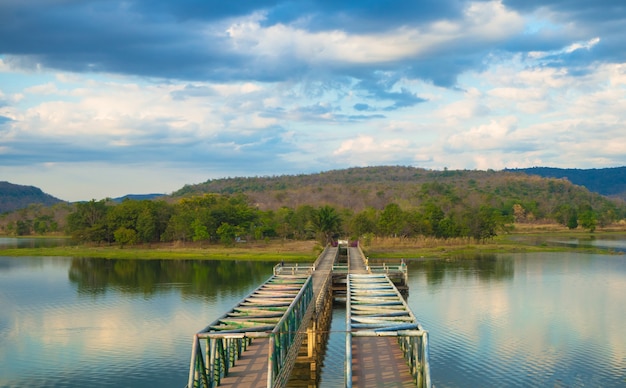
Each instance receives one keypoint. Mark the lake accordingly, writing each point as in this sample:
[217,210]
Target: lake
[511,320]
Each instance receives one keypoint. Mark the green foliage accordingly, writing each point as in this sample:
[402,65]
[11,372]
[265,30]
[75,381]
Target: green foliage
[327,223]
[228,233]
[391,221]
[200,232]
[88,223]
[363,223]
[125,236]
[572,221]
[383,201]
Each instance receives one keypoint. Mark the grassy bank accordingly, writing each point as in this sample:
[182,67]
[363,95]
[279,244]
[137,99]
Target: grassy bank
[521,240]
[305,251]
[273,251]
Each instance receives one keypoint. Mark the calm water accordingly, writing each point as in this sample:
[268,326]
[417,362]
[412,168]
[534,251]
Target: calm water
[28,242]
[552,320]
[546,320]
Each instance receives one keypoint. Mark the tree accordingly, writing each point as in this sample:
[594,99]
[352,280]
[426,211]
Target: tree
[572,221]
[588,220]
[125,236]
[200,232]
[433,215]
[88,222]
[391,220]
[227,233]
[482,223]
[327,223]
[363,223]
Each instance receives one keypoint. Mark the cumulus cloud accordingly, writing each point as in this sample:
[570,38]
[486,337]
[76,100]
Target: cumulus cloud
[272,87]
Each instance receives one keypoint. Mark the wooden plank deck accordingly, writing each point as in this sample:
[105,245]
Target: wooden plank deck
[356,265]
[378,362]
[251,369]
[376,313]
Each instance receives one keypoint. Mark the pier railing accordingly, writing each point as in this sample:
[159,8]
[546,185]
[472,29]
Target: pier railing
[287,332]
[375,308]
[293,269]
[272,312]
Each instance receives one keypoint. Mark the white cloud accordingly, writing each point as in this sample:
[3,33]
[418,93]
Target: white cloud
[483,22]
[485,137]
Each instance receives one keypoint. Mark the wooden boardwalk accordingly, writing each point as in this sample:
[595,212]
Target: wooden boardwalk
[385,345]
[382,333]
[356,262]
[378,362]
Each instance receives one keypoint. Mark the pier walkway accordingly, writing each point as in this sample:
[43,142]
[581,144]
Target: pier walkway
[257,343]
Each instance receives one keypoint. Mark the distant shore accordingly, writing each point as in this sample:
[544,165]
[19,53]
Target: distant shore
[306,251]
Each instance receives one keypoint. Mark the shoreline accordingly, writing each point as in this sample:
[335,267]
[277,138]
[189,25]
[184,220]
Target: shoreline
[307,251]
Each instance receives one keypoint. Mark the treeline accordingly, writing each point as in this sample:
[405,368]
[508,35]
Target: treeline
[227,219]
[209,218]
[353,203]
[230,218]
[36,219]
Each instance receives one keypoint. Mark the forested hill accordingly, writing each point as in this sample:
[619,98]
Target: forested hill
[606,181]
[409,187]
[14,197]
[372,201]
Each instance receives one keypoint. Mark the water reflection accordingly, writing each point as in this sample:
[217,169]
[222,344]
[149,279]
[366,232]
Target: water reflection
[515,320]
[484,267]
[94,322]
[555,320]
[615,242]
[30,242]
[147,277]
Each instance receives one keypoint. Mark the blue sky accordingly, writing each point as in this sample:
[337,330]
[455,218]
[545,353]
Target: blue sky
[101,98]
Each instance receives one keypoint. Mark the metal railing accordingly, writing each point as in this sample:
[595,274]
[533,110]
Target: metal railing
[375,308]
[293,269]
[284,334]
[274,311]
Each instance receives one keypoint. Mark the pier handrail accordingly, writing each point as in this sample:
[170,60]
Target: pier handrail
[413,340]
[284,334]
[224,347]
[294,269]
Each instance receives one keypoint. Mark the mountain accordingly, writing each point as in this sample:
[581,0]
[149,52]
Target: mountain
[14,197]
[362,187]
[606,181]
[137,197]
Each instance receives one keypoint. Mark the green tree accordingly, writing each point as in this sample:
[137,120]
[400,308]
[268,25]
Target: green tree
[588,220]
[433,214]
[572,221]
[363,223]
[88,223]
[228,233]
[327,223]
[200,232]
[125,236]
[392,220]
[302,224]
[482,223]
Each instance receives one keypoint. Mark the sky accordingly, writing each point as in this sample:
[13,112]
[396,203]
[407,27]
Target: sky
[102,98]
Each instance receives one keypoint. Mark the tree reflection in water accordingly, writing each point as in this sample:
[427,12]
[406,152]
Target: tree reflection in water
[485,267]
[204,278]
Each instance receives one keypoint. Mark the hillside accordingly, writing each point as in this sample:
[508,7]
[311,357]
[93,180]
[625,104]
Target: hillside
[380,201]
[359,188]
[606,181]
[14,197]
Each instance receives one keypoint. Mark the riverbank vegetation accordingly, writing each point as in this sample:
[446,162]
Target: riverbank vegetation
[525,240]
[425,210]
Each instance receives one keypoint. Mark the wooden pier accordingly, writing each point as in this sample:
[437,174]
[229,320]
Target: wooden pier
[285,322]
